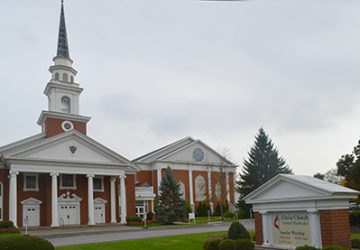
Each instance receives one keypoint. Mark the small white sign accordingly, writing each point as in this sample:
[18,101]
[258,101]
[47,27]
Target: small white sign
[26,221]
[145,217]
[191,215]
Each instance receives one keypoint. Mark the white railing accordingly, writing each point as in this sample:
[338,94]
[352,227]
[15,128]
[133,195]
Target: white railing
[144,191]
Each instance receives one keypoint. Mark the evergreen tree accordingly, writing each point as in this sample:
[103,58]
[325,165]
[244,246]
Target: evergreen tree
[171,207]
[263,164]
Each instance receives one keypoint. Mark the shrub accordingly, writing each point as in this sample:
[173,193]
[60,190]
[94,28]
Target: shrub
[306,247]
[213,244]
[228,214]
[6,224]
[226,245]
[12,230]
[150,215]
[254,238]
[213,237]
[240,213]
[243,244]
[25,243]
[354,218]
[199,211]
[238,231]
[133,218]
[334,248]
[355,243]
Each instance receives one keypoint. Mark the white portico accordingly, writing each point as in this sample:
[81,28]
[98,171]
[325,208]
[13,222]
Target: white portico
[40,156]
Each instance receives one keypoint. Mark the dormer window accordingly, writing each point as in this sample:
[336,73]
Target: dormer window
[65,77]
[65,104]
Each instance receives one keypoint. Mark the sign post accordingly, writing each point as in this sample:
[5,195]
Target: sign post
[145,217]
[251,214]
[26,223]
[191,216]
[236,214]
[209,214]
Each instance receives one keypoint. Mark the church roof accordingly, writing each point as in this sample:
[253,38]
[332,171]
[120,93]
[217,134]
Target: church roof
[63,48]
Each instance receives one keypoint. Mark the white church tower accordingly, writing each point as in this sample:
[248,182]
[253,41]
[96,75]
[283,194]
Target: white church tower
[62,91]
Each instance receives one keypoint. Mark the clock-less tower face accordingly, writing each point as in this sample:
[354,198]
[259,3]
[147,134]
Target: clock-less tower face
[198,155]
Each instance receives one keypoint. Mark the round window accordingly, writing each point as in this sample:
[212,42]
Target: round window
[67,125]
[198,155]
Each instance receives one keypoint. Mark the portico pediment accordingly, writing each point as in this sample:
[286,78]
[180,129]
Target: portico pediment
[68,147]
[67,198]
[31,201]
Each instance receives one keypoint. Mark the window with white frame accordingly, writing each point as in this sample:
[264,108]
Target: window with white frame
[98,182]
[200,188]
[31,182]
[65,104]
[67,181]
[1,201]
[182,190]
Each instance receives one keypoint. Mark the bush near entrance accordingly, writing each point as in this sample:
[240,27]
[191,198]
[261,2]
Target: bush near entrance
[238,231]
[25,243]
[133,219]
[7,227]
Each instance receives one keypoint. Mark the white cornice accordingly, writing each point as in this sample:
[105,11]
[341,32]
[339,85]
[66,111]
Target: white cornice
[63,67]
[63,116]
[73,87]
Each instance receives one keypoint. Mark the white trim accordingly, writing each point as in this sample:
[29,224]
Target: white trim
[31,201]
[74,182]
[65,122]
[102,183]
[36,182]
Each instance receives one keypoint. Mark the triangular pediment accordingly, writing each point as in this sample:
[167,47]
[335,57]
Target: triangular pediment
[71,146]
[197,153]
[99,200]
[285,187]
[31,201]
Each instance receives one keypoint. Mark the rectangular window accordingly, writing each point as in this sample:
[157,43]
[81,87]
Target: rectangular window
[98,184]
[31,182]
[68,181]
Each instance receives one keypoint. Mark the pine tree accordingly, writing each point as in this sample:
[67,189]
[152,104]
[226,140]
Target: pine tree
[263,164]
[171,207]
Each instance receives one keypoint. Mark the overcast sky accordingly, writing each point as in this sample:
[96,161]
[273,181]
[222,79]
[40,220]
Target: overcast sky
[155,71]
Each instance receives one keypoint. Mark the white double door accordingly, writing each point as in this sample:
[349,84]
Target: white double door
[69,214]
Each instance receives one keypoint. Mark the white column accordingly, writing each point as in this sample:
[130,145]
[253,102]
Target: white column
[158,170]
[191,190]
[152,206]
[315,230]
[54,200]
[210,191]
[90,199]
[123,200]
[266,227]
[13,197]
[227,188]
[112,199]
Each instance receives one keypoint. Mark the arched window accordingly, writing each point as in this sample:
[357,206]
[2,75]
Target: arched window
[218,191]
[182,190]
[56,76]
[1,201]
[200,188]
[65,104]
[65,77]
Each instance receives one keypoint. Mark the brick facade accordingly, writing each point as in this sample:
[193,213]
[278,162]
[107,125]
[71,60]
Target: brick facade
[258,228]
[335,228]
[53,126]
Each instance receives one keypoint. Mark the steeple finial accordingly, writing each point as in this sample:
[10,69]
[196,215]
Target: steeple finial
[63,48]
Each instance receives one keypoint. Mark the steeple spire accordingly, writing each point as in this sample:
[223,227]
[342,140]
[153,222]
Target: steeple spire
[63,48]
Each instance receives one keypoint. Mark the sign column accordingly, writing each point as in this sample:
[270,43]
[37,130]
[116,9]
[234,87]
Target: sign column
[90,199]
[54,200]
[13,197]
[315,228]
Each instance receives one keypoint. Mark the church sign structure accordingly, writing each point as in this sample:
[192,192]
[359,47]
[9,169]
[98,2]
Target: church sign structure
[61,176]
[297,210]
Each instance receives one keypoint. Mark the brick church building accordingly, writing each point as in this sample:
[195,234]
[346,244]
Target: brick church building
[63,177]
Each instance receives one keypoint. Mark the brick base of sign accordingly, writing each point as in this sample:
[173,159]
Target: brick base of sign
[258,229]
[335,228]
[334,224]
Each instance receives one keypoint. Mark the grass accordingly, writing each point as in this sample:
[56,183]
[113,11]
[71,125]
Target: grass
[8,235]
[355,236]
[181,242]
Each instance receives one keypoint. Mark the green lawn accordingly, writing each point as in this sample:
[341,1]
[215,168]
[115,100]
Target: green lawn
[355,236]
[188,242]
